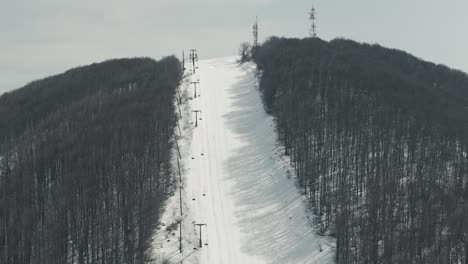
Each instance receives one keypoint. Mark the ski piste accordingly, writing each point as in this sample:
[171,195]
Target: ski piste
[236,185]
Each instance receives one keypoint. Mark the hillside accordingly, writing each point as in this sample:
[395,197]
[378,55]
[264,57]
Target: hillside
[379,142]
[84,162]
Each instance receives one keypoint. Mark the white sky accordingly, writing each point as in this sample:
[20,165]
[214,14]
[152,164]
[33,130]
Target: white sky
[39,38]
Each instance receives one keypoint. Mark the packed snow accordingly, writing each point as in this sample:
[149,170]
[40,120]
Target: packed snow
[235,179]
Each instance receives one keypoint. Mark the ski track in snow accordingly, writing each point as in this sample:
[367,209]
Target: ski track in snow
[236,180]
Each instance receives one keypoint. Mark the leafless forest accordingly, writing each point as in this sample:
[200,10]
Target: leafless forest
[84,162]
[379,142]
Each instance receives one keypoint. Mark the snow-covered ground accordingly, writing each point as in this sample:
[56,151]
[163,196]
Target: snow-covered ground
[235,180]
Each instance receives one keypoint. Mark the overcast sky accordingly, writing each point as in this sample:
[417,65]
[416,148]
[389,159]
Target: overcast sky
[43,37]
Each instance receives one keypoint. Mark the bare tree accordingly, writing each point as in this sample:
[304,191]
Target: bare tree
[245,52]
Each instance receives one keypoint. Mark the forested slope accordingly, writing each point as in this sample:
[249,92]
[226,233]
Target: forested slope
[379,142]
[84,162]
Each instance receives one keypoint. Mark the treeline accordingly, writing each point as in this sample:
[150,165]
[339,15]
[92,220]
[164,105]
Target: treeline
[84,162]
[379,141]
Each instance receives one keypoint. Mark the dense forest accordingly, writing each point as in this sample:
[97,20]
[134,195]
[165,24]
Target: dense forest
[84,162]
[379,141]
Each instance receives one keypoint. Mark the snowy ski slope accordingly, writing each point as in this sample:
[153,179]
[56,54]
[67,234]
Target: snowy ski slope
[235,180]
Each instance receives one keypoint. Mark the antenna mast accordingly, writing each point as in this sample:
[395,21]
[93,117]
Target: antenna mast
[313,18]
